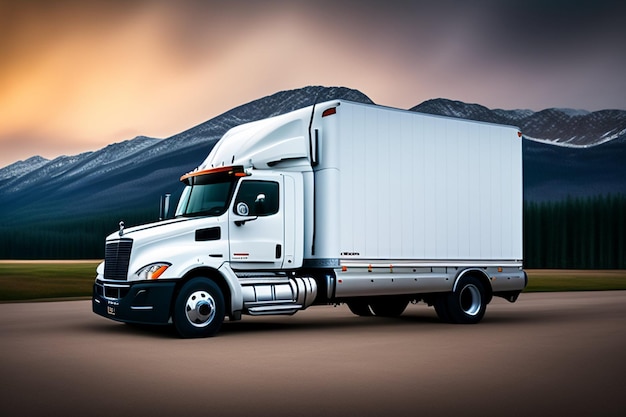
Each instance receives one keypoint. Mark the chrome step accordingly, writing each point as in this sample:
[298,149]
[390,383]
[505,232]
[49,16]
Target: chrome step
[274,309]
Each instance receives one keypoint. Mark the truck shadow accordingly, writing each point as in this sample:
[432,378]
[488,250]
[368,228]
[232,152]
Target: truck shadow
[307,325]
[411,320]
[300,325]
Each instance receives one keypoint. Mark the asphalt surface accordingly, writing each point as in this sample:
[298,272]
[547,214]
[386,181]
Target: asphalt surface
[547,354]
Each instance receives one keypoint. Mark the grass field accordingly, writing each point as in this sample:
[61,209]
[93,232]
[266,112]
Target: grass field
[541,280]
[24,280]
[45,280]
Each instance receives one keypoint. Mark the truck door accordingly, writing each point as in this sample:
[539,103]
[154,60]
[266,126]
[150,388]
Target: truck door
[256,226]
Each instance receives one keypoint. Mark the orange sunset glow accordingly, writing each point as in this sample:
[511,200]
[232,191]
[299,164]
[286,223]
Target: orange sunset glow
[78,75]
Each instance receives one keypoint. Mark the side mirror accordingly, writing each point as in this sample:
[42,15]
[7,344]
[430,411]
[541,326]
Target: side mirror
[164,207]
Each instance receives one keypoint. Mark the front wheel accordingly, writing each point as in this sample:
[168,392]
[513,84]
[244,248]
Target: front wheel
[199,309]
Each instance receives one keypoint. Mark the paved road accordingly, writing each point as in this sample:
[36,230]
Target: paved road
[547,354]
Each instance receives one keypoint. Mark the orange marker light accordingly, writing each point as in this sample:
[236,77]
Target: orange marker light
[329,112]
[158,272]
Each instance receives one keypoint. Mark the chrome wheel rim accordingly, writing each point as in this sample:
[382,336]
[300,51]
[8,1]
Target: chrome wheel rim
[470,300]
[200,308]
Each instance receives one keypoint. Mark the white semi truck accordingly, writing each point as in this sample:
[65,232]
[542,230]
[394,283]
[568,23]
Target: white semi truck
[334,203]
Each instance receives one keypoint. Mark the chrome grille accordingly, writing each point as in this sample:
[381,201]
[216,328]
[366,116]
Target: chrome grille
[116,259]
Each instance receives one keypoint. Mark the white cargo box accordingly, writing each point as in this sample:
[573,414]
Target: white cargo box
[400,185]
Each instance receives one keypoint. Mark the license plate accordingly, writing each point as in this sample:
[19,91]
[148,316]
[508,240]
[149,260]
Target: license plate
[110,311]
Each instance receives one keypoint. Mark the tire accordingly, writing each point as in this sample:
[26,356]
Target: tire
[441,307]
[388,306]
[199,309]
[468,302]
[360,308]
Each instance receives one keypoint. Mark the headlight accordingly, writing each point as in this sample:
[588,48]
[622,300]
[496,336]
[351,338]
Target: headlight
[152,271]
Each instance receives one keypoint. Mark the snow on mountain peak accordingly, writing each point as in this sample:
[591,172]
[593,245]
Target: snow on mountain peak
[563,127]
[20,168]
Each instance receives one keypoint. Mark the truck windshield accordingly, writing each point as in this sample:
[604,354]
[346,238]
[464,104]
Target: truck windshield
[205,199]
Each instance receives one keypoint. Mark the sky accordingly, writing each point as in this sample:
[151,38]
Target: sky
[76,76]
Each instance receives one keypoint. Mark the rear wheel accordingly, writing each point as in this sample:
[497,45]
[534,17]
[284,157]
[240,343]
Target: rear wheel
[388,306]
[467,303]
[360,308]
[441,307]
[199,309]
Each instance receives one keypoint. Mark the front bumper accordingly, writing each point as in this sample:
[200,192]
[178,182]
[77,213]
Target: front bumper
[146,302]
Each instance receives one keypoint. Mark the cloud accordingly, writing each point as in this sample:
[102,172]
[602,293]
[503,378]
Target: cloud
[92,72]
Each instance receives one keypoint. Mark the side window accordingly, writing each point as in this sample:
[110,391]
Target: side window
[261,197]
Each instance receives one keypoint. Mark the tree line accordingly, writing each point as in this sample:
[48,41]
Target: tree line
[576,233]
[74,238]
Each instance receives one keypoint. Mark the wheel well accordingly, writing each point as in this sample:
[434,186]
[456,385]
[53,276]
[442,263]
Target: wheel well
[213,275]
[480,275]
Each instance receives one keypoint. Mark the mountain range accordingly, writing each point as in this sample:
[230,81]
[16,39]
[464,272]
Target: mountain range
[566,153]
[565,127]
